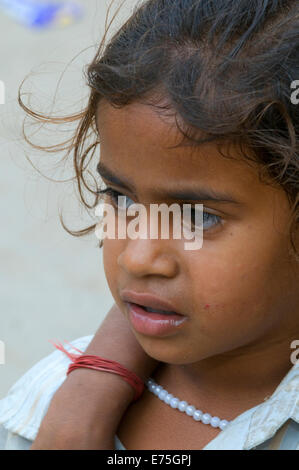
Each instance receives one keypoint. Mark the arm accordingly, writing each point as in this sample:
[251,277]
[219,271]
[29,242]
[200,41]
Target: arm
[87,409]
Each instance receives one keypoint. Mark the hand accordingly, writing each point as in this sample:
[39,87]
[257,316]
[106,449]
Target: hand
[86,410]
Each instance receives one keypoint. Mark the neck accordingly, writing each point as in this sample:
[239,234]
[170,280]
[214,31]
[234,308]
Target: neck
[233,381]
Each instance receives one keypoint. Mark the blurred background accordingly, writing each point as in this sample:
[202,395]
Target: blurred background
[52,285]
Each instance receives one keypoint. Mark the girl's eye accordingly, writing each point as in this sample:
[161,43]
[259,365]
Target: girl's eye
[113,195]
[209,220]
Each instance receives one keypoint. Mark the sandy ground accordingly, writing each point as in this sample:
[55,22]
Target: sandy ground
[52,285]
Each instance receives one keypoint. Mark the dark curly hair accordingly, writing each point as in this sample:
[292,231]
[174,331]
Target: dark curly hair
[223,67]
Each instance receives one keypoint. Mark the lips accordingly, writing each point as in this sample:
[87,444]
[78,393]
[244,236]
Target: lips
[152,316]
[156,304]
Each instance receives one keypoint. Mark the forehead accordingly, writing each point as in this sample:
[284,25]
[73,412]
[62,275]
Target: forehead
[136,143]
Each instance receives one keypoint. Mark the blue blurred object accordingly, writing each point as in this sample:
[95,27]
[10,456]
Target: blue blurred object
[42,14]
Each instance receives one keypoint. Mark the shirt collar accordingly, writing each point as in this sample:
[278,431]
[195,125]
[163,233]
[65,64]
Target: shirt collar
[270,415]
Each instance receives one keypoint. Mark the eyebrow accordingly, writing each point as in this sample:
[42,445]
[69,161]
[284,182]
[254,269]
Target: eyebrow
[202,194]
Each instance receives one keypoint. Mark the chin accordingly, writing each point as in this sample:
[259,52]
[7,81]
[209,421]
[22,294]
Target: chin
[166,350]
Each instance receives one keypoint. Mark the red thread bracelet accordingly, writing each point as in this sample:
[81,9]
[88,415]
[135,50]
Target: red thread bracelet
[105,365]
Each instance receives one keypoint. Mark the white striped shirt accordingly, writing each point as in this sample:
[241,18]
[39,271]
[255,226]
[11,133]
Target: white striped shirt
[271,425]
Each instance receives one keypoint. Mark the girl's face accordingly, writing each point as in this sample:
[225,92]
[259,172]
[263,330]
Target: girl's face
[241,288]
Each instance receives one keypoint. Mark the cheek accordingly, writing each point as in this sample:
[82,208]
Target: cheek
[237,287]
[111,251]
[217,276]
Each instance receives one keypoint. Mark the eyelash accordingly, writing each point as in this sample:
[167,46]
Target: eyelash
[113,195]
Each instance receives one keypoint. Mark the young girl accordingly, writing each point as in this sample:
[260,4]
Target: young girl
[192,103]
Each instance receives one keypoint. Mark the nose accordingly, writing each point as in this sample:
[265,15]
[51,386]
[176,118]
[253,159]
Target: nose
[148,257]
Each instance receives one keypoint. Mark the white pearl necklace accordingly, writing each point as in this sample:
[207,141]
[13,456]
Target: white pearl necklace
[183,406]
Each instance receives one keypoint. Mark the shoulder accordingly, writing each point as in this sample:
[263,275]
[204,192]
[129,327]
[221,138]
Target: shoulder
[25,405]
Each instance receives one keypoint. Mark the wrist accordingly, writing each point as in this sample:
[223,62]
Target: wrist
[107,395]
